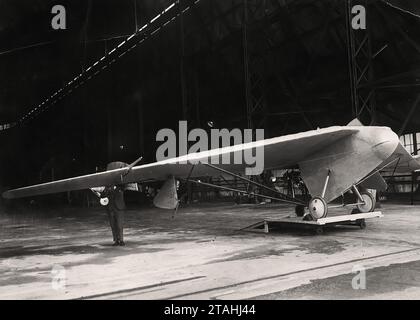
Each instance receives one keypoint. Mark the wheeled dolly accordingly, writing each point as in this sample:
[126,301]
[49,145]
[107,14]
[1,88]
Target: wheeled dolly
[358,219]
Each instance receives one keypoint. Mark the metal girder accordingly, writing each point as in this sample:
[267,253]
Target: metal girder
[388,19]
[159,22]
[414,72]
[360,65]
[182,68]
[254,55]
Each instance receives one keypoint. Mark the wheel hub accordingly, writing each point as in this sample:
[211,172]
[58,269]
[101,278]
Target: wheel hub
[368,204]
[104,201]
[317,208]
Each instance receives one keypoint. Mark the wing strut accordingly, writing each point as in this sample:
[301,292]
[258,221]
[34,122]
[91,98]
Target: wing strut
[326,183]
[242,191]
[284,197]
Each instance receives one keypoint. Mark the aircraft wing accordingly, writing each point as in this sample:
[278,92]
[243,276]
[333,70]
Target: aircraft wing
[279,152]
[402,161]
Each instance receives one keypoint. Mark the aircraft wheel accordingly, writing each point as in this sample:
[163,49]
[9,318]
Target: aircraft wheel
[318,208]
[104,201]
[300,210]
[370,203]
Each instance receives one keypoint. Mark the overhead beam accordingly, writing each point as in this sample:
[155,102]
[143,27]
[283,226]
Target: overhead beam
[160,21]
[397,27]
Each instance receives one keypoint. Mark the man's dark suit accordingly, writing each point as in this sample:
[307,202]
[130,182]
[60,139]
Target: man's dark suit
[116,206]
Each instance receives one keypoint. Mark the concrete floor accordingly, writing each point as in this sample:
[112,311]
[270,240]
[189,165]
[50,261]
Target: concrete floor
[201,255]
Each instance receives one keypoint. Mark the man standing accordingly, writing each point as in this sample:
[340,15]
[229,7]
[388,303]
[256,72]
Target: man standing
[115,210]
[116,206]
[112,197]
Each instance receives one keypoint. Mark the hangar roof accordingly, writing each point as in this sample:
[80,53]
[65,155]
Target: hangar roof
[297,47]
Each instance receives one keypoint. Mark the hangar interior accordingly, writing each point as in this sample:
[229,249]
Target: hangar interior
[279,65]
[73,100]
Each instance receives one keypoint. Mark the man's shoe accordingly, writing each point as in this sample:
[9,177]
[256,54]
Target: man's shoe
[121,243]
[116,243]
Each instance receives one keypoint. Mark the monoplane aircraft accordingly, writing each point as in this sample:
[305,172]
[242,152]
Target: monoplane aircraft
[332,161]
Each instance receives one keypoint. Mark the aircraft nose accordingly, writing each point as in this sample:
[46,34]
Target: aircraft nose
[386,141]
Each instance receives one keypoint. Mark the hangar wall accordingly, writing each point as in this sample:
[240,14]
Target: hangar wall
[223,62]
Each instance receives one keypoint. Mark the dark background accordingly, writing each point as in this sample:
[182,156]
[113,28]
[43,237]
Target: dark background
[296,52]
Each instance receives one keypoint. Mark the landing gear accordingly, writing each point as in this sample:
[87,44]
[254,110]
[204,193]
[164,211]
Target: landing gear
[300,210]
[369,202]
[318,208]
[104,201]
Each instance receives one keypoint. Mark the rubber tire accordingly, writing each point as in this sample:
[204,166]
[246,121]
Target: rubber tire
[325,206]
[372,199]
